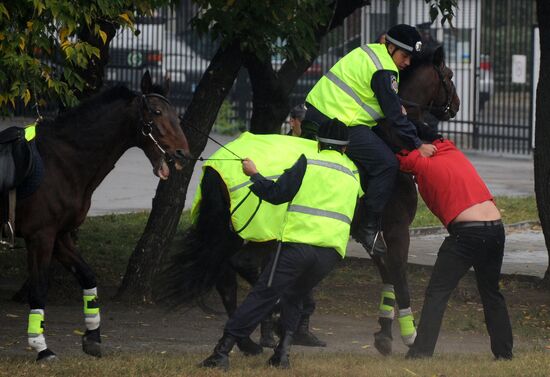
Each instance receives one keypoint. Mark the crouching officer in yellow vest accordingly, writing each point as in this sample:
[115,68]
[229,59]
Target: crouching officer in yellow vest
[359,90]
[322,192]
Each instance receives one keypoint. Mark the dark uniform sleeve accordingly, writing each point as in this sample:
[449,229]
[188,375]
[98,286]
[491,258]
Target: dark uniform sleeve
[382,84]
[286,186]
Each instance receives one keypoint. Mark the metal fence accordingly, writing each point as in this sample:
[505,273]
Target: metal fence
[489,50]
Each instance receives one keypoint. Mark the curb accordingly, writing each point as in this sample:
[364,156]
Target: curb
[432,230]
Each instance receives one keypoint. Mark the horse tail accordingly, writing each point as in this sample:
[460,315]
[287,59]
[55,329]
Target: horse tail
[204,249]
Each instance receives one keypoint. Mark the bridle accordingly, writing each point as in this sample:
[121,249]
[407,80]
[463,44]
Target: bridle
[440,112]
[147,125]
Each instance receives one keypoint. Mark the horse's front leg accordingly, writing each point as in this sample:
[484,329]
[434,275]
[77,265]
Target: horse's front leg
[65,252]
[39,250]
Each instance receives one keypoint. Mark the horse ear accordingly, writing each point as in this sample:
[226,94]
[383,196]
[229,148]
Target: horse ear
[438,56]
[146,83]
[166,85]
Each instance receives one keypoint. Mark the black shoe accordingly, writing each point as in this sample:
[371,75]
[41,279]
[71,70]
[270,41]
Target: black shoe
[220,357]
[266,333]
[304,337]
[280,358]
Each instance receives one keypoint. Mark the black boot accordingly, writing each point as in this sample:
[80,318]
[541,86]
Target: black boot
[370,235]
[220,357]
[280,356]
[304,337]
[266,330]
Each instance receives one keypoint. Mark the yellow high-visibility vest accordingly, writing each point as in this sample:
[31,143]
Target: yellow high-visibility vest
[321,212]
[345,92]
[272,154]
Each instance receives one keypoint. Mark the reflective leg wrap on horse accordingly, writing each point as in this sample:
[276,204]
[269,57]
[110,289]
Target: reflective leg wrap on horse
[386,312]
[92,338]
[407,326]
[35,333]
[91,309]
[387,302]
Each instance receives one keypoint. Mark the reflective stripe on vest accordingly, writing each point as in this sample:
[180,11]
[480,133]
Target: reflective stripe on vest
[320,214]
[354,102]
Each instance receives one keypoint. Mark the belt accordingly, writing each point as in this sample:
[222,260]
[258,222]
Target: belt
[472,224]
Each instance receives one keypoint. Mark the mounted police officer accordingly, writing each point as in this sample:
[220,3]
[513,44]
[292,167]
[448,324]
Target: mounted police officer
[322,190]
[359,90]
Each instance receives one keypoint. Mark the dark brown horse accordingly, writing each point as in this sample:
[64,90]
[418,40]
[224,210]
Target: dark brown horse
[208,256]
[78,149]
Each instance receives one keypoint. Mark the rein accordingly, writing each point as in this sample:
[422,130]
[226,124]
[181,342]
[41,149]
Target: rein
[200,158]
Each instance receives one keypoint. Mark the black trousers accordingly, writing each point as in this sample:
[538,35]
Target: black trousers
[300,268]
[378,166]
[481,247]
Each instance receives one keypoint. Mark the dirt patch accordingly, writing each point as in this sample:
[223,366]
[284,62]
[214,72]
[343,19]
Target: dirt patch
[346,318]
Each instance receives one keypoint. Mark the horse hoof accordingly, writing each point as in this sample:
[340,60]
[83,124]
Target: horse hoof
[91,343]
[46,356]
[383,343]
[248,347]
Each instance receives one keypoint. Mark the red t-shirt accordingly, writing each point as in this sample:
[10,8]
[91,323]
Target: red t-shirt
[447,181]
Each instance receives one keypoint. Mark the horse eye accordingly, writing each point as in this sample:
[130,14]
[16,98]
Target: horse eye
[157,112]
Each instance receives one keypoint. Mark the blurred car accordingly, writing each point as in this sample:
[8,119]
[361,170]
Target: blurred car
[486,80]
[184,67]
[131,55]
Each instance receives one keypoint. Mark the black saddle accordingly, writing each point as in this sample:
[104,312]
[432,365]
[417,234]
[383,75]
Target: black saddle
[16,159]
[17,162]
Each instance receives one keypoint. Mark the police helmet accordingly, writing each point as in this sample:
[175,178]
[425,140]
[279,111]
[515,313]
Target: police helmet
[405,37]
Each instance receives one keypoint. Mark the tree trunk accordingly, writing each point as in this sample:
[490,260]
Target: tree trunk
[169,199]
[271,89]
[542,128]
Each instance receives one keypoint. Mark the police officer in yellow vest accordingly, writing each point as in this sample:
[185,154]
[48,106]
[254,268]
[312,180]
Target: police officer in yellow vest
[360,89]
[322,192]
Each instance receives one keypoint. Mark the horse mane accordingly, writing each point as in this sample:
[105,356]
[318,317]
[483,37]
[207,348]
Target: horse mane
[80,123]
[89,107]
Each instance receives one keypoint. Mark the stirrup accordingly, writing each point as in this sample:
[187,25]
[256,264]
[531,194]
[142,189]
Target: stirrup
[7,235]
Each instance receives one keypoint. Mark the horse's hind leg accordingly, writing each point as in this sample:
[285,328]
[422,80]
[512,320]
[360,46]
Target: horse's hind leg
[65,252]
[39,248]
[398,240]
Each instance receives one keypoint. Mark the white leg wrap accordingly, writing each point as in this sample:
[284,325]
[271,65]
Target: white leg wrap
[407,326]
[36,338]
[91,311]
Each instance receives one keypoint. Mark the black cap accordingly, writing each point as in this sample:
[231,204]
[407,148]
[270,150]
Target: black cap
[333,132]
[405,37]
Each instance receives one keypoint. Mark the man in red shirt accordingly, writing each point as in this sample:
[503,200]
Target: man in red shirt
[456,194]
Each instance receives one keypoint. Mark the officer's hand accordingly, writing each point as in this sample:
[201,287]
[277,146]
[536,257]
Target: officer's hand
[248,167]
[427,150]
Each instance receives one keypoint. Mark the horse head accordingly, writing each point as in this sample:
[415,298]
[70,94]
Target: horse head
[164,140]
[427,86]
